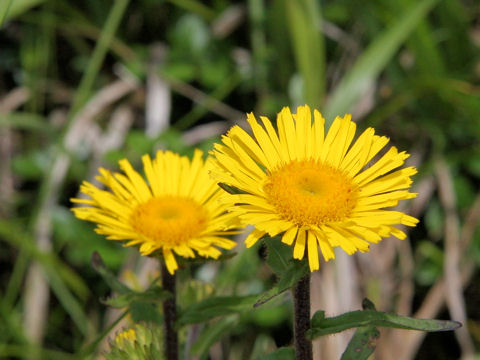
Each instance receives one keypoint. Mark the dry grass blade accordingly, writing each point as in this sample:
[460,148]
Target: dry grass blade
[454,294]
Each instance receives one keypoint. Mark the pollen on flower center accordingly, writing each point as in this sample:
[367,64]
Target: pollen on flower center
[170,220]
[311,193]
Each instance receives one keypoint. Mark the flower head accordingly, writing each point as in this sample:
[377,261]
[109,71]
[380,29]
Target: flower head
[315,190]
[176,212]
[143,341]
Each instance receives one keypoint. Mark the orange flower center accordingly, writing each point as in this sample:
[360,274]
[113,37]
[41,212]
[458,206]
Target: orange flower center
[311,193]
[170,220]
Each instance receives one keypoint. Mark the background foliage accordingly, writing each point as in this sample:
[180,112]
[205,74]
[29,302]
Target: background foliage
[85,83]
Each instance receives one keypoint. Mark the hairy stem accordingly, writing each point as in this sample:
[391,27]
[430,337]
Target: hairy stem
[301,299]
[170,315]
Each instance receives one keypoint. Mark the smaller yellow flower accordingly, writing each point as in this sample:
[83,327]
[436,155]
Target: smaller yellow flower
[176,212]
[129,335]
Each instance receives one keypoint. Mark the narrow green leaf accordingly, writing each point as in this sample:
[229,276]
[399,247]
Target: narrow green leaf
[195,7]
[153,294]
[11,351]
[10,9]
[231,189]
[278,255]
[304,22]
[285,353]
[373,60]
[362,344]
[26,121]
[111,280]
[323,326]
[12,232]
[215,306]
[295,271]
[98,55]
[213,333]
[92,346]
[4,9]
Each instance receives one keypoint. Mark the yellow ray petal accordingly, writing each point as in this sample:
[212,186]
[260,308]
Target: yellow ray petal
[286,132]
[170,261]
[312,251]
[289,235]
[253,237]
[299,249]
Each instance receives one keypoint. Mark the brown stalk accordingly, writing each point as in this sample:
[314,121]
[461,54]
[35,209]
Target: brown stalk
[301,300]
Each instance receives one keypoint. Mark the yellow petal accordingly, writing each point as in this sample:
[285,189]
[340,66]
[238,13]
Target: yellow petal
[299,249]
[312,251]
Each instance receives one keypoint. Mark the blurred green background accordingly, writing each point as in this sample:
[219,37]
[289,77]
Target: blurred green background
[85,83]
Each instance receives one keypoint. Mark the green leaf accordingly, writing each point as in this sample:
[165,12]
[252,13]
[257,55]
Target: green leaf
[231,189]
[12,8]
[373,60]
[102,46]
[27,121]
[111,280]
[278,255]
[153,294]
[211,334]
[215,306]
[281,354]
[13,232]
[144,311]
[296,271]
[304,20]
[323,326]
[362,344]
[288,270]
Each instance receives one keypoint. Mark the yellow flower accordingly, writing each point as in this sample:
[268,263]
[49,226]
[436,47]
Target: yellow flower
[129,335]
[315,190]
[176,212]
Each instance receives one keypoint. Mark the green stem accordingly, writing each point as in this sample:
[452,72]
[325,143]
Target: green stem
[301,299]
[170,315]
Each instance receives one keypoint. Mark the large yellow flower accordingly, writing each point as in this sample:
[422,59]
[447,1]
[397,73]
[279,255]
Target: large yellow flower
[176,212]
[315,190]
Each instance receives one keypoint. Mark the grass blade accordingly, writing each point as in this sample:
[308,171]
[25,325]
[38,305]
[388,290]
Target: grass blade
[304,21]
[98,55]
[373,60]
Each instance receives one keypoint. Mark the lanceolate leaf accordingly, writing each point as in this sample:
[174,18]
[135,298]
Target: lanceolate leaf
[323,326]
[278,255]
[215,306]
[288,270]
[111,280]
[231,189]
[153,294]
[362,344]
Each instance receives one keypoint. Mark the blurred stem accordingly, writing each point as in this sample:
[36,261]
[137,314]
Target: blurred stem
[170,314]
[301,299]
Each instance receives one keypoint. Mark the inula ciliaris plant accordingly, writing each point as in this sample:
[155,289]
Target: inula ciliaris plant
[177,212]
[297,184]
